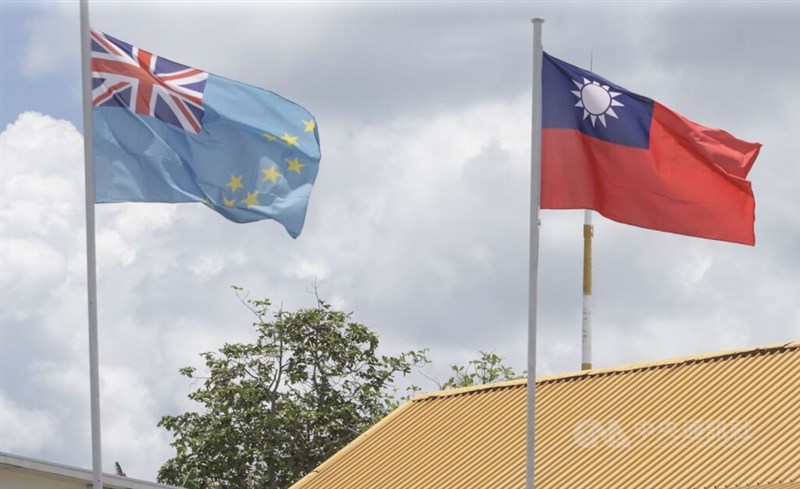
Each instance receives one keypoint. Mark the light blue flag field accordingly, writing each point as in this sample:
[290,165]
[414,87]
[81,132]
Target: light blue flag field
[165,132]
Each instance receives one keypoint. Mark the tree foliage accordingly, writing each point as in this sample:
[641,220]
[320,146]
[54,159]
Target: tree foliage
[274,409]
[484,370]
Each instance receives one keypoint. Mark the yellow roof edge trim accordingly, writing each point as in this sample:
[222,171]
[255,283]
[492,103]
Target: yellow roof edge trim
[466,390]
[608,370]
[350,446]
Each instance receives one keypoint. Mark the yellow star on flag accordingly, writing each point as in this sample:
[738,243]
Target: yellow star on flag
[295,165]
[235,183]
[229,202]
[269,137]
[290,140]
[271,174]
[310,125]
[251,199]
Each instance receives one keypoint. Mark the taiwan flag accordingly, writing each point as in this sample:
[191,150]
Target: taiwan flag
[637,162]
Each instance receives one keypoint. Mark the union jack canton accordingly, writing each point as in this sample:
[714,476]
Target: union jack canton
[124,75]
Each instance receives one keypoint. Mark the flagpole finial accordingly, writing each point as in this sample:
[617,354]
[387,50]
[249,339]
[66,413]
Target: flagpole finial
[538,20]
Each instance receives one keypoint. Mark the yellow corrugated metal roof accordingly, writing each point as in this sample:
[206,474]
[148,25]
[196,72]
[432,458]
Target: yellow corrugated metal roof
[726,420]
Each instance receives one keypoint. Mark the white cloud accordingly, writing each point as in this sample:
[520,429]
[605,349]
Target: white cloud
[68,380]
[306,269]
[24,430]
[113,249]
[40,203]
[27,263]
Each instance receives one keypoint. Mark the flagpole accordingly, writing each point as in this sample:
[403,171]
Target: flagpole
[91,262]
[586,321]
[586,316]
[533,263]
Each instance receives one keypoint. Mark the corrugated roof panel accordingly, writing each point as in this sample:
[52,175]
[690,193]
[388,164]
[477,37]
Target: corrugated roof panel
[729,420]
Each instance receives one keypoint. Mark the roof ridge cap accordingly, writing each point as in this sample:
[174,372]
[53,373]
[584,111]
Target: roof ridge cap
[686,359]
[618,369]
[457,391]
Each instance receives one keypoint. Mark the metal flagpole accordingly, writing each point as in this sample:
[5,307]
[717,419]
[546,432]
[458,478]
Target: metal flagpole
[533,272]
[586,317]
[586,322]
[91,262]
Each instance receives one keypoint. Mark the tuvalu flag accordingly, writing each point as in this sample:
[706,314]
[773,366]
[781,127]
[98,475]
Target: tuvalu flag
[165,132]
[637,162]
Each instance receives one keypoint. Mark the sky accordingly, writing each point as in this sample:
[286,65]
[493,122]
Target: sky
[418,223]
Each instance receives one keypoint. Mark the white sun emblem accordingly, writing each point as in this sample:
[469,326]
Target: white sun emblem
[597,100]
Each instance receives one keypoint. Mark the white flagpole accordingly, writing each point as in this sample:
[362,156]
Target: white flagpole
[91,262]
[586,322]
[533,273]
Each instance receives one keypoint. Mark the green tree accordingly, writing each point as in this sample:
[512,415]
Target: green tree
[274,409]
[484,370]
